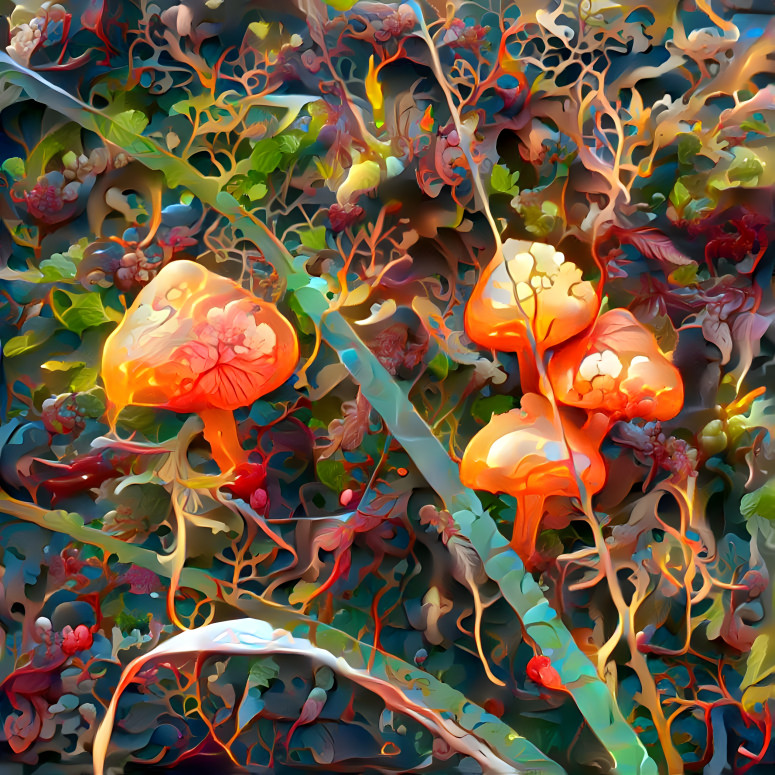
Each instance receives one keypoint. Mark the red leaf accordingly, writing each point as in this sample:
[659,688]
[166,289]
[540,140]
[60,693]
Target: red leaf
[348,432]
[653,244]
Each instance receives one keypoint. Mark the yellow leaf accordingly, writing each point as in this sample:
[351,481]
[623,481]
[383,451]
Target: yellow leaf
[360,177]
[379,312]
[374,92]
[358,296]
[301,592]
[259,29]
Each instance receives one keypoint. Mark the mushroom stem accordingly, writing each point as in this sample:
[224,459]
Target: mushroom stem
[221,434]
[529,377]
[530,511]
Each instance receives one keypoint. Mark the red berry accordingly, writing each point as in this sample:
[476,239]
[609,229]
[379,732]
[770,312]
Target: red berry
[74,640]
[540,671]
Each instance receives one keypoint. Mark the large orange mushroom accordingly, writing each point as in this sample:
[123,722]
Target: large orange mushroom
[532,453]
[194,341]
[529,286]
[618,369]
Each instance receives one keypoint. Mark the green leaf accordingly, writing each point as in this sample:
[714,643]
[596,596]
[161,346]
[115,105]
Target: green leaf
[133,120]
[680,196]
[341,5]
[266,156]
[289,143]
[62,365]
[64,138]
[75,252]
[91,404]
[760,502]
[755,125]
[24,343]
[332,474]
[78,312]
[199,103]
[689,146]
[502,180]
[14,167]
[239,186]
[262,672]
[126,131]
[684,275]
[760,666]
[484,408]
[58,267]
[86,379]
[746,168]
[126,621]
[305,323]
[537,220]
[257,191]
[314,239]
[439,365]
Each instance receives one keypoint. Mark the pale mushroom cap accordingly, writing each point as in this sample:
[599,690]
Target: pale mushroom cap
[618,369]
[529,287]
[194,340]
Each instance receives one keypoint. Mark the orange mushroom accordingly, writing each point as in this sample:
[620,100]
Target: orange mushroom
[529,284]
[531,454]
[618,369]
[194,341]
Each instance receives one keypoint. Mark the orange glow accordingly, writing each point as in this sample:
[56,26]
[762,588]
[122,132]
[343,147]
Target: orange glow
[532,454]
[618,369]
[194,341]
[529,284]
[426,122]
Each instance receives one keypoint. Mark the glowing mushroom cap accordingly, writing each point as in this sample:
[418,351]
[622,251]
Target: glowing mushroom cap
[533,454]
[618,369]
[194,341]
[529,284]
[525,452]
